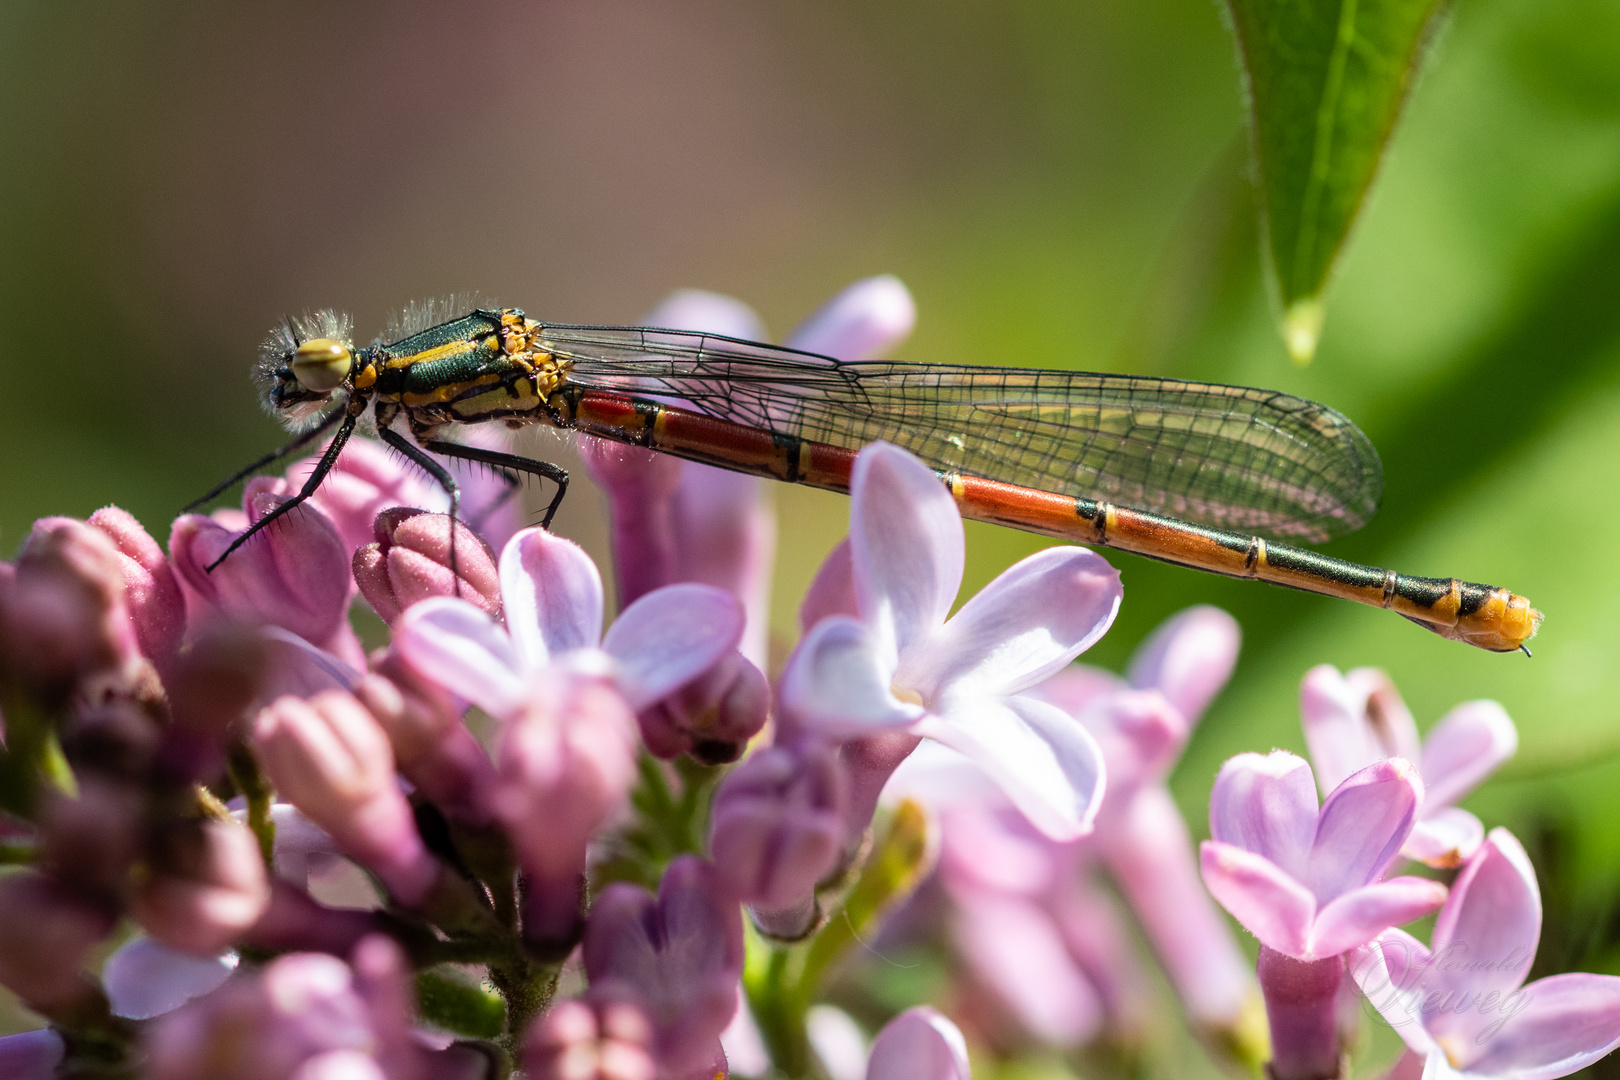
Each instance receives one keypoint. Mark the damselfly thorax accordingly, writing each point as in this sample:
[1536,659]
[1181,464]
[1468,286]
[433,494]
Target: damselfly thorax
[1206,476]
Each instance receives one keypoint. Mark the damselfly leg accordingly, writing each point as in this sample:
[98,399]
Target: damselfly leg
[328,459]
[248,470]
[543,469]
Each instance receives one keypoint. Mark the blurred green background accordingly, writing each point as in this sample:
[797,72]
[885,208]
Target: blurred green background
[1061,184]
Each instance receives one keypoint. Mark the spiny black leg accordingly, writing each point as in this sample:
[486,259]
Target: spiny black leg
[441,475]
[555,473]
[303,440]
[328,460]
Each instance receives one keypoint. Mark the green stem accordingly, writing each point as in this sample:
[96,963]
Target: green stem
[251,783]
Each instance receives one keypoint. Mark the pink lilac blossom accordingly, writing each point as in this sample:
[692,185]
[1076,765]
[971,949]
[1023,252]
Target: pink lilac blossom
[776,829]
[205,886]
[410,560]
[1142,723]
[902,667]
[919,1044]
[328,757]
[295,576]
[595,1038]
[151,593]
[682,521]
[145,978]
[566,764]
[552,595]
[1461,1002]
[1355,719]
[678,955]
[1308,880]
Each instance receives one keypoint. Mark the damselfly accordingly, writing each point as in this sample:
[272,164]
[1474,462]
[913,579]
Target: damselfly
[1197,474]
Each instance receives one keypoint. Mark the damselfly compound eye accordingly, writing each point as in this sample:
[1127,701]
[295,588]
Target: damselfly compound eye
[321,364]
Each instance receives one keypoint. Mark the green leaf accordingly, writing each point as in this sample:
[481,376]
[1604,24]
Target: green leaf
[1326,80]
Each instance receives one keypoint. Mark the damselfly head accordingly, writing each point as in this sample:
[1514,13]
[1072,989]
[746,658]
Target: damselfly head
[304,362]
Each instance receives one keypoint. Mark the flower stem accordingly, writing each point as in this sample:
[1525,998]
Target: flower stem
[250,781]
[1301,1003]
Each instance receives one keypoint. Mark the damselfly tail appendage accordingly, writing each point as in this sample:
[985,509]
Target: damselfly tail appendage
[1202,475]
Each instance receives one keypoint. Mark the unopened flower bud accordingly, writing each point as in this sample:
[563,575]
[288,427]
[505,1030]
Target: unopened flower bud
[294,575]
[329,758]
[46,932]
[151,593]
[600,1038]
[207,884]
[31,1055]
[566,766]
[713,716]
[432,747]
[91,839]
[410,560]
[778,826]
[62,615]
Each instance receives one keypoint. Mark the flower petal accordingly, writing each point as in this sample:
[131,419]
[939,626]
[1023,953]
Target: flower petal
[863,322]
[837,683]
[552,593]
[1046,762]
[1022,628]
[1360,915]
[1266,804]
[1333,714]
[919,1044]
[833,590]
[1388,972]
[145,978]
[296,667]
[706,312]
[906,545]
[459,647]
[1259,894]
[1014,951]
[1551,1028]
[1188,658]
[1464,748]
[1487,933]
[1362,826]
[1447,837]
[671,636]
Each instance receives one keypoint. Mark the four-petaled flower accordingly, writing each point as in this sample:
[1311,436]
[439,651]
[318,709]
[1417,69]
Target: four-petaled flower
[904,665]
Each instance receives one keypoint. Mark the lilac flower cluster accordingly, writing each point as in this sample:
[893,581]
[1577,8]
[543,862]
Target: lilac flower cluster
[559,822]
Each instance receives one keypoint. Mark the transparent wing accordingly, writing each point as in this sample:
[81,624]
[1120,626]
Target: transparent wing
[1230,457]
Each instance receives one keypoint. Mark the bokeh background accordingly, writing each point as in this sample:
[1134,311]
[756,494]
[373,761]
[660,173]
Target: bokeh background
[1061,184]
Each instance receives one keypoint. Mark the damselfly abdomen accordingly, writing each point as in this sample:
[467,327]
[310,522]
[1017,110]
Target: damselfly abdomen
[1197,474]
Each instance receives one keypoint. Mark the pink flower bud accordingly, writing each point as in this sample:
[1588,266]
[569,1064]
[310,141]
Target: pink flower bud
[62,615]
[432,747]
[368,479]
[566,765]
[294,575]
[591,1039]
[410,561]
[919,1044]
[151,592]
[92,839]
[295,922]
[46,933]
[329,758]
[263,1024]
[679,954]
[713,716]
[778,823]
[207,886]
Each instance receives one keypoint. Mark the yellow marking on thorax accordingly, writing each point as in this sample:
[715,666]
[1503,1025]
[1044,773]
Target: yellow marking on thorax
[449,391]
[438,352]
[367,377]
[518,396]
